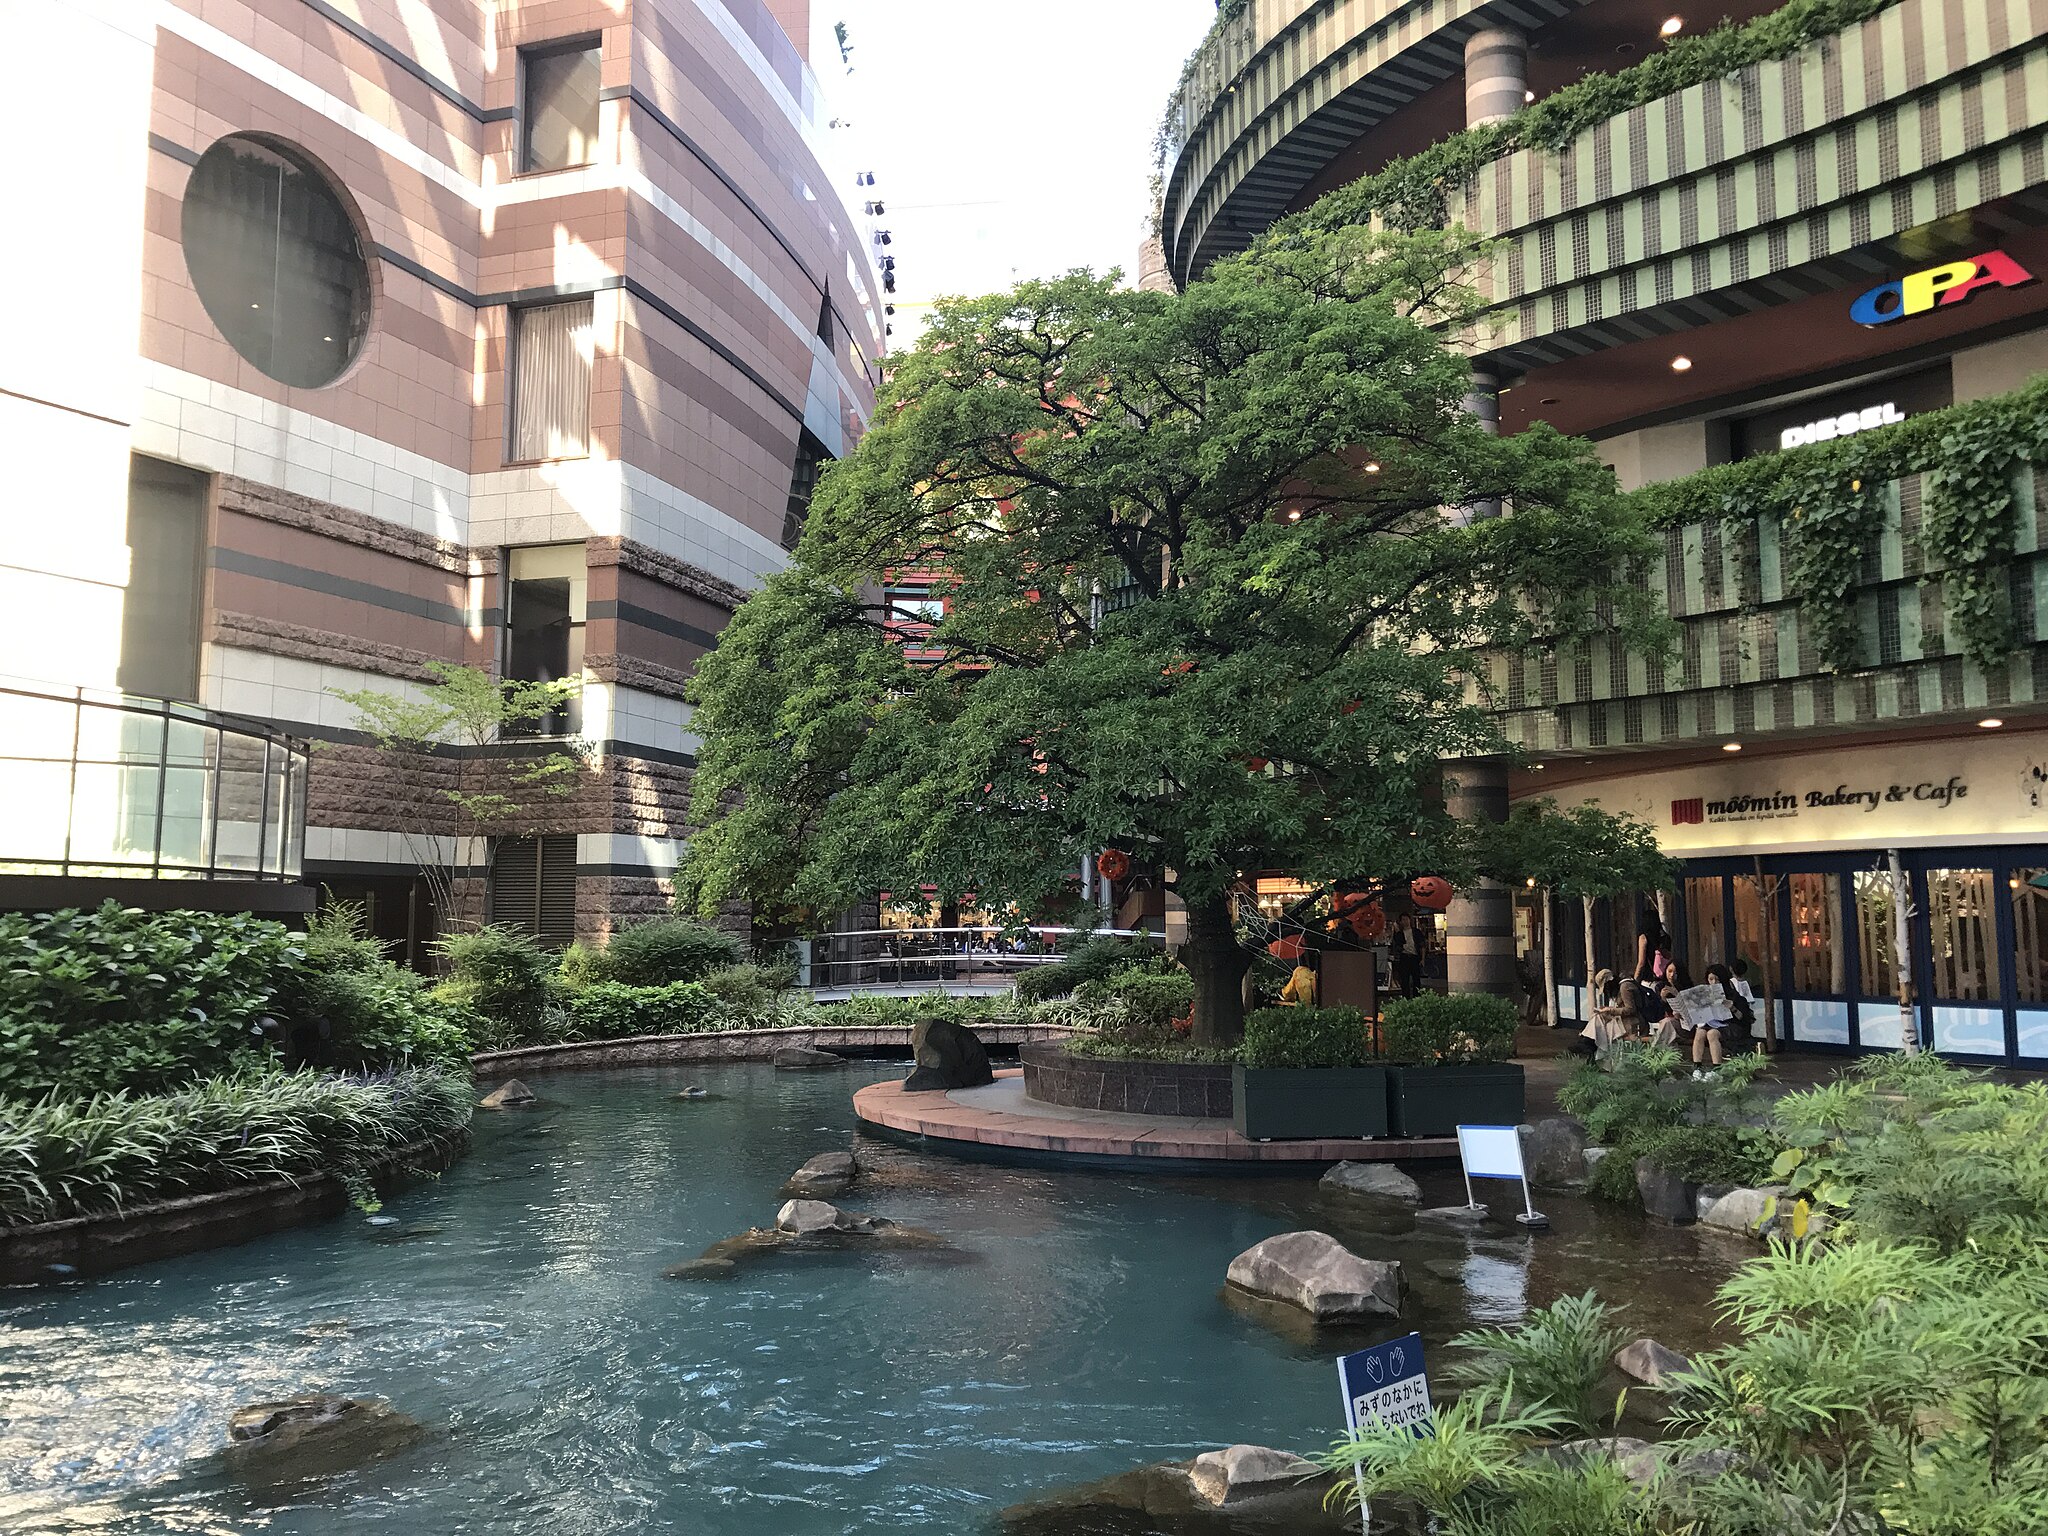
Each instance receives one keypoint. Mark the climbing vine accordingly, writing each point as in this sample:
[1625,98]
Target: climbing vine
[1828,501]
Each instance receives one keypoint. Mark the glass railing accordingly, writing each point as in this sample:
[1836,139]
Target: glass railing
[101,784]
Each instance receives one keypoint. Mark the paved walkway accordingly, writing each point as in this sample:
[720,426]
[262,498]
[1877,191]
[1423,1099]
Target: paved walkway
[998,1118]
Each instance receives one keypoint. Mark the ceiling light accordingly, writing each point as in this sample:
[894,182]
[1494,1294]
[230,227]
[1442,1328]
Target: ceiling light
[1731,746]
[1372,466]
[1535,767]
[1673,25]
[1548,400]
[1530,882]
[1294,515]
[1991,724]
[1681,363]
[1527,97]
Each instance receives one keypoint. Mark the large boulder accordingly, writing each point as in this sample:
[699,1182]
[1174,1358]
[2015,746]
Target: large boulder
[1241,1474]
[946,1055]
[1650,1363]
[801,1058]
[512,1094]
[827,1174]
[1666,1196]
[1748,1211]
[1554,1152]
[1382,1179]
[1315,1272]
[315,1435]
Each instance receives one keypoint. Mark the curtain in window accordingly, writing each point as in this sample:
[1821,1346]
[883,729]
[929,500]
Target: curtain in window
[552,349]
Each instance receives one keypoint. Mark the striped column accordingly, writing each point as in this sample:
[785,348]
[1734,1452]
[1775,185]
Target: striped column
[1479,950]
[1483,403]
[1496,74]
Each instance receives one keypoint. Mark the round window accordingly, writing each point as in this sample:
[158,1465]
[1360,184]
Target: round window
[274,253]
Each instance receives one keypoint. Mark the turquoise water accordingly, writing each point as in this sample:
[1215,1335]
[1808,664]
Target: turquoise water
[519,1312]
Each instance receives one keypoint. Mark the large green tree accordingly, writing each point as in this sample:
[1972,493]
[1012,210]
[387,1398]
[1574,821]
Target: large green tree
[1203,600]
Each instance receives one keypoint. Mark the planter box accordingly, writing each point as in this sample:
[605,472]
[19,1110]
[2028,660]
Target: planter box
[1435,1101]
[1309,1103]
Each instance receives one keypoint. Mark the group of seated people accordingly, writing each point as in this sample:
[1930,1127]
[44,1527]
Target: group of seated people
[1667,1009]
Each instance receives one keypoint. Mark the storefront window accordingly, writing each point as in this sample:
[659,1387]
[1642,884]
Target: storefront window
[1818,964]
[1874,935]
[1705,933]
[1756,937]
[2030,934]
[1962,934]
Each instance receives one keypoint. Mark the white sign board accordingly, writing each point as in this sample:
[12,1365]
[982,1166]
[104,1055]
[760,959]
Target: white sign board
[1495,1152]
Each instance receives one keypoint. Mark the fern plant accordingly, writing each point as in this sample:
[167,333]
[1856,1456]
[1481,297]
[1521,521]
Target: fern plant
[1555,1361]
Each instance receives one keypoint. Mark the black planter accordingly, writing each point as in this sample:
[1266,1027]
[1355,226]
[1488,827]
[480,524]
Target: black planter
[1435,1101]
[1309,1103]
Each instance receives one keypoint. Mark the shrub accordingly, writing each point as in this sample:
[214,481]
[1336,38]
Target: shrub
[746,989]
[666,949]
[1146,1001]
[1305,1037]
[115,998]
[501,976]
[71,1157]
[607,1010]
[1699,1154]
[1556,1359]
[1436,1029]
[351,1007]
[1091,960]
[1644,1101]
[580,965]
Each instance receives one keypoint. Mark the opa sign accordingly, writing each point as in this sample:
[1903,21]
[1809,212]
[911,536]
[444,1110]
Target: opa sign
[1919,292]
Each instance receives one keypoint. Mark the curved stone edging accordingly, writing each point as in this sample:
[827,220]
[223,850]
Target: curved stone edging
[734,1045]
[1053,1076]
[167,1228]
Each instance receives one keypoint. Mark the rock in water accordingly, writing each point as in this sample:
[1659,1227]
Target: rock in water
[509,1095]
[1243,1473]
[947,1055]
[801,1058]
[1742,1210]
[1666,1196]
[692,1092]
[316,1435]
[1371,1179]
[1455,1215]
[1650,1363]
[1315,1272]
[806,1216]
[1554,1152]
[829,1173]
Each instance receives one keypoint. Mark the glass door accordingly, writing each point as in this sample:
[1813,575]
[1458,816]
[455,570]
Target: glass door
[2028,885]
[1877,969]
[1965,1007]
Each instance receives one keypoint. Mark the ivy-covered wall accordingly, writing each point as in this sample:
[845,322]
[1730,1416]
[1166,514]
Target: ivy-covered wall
[1892,575]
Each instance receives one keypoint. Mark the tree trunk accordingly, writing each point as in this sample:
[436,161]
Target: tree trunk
[1591,964]
[1902,955]
[1549,958]
[1767,890]
[1217,964]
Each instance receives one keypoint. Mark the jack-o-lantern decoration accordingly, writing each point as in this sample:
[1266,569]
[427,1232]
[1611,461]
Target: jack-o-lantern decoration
[1292,947]
[1368,922]
[1113,864]
[1432,893]
[1344,903]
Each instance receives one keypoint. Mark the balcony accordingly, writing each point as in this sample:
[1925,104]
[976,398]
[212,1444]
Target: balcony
[147,801]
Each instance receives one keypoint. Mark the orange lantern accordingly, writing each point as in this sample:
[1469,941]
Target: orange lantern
[1368,921]
[1113,864]
[1432,893]
[1291,947]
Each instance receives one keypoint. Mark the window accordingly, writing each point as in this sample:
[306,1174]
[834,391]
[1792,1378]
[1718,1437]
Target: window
[160,610]
[558,107]
[1705,938]
[2030,934]
[811,458]
[533,886]
[1756,938]
[545,608]
[1818,965]
[1875,933]
[912,605]
[553,346]
[1962,934]
[274,254]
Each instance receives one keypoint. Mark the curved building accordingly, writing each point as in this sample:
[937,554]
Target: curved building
[1846,234]
[506,332]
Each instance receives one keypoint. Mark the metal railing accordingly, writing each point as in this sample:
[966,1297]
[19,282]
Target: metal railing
[967,959]
[105,784]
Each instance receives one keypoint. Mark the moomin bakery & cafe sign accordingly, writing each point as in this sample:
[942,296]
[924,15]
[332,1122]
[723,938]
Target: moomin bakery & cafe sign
[1934,795]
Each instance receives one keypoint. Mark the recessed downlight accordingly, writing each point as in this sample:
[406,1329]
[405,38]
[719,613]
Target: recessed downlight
[1548,400]
[1731,746]
[1673,25]
[1681,364]
[1990,724]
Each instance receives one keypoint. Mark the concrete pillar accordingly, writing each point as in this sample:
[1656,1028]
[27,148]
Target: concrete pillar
[1479,949]
[1483,403]
[1496,74]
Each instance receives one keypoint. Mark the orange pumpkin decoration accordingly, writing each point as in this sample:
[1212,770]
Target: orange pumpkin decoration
[1113,864]
[1291,947]
[1368,921]
[1432,893]
[1344,903]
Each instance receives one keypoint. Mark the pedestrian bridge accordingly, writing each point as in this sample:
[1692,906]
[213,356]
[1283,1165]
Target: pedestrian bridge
[914,962]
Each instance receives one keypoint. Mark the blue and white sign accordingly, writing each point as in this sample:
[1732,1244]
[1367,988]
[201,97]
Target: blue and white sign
[1387,1384]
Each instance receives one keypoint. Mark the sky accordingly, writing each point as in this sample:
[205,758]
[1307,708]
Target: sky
[1008,139]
